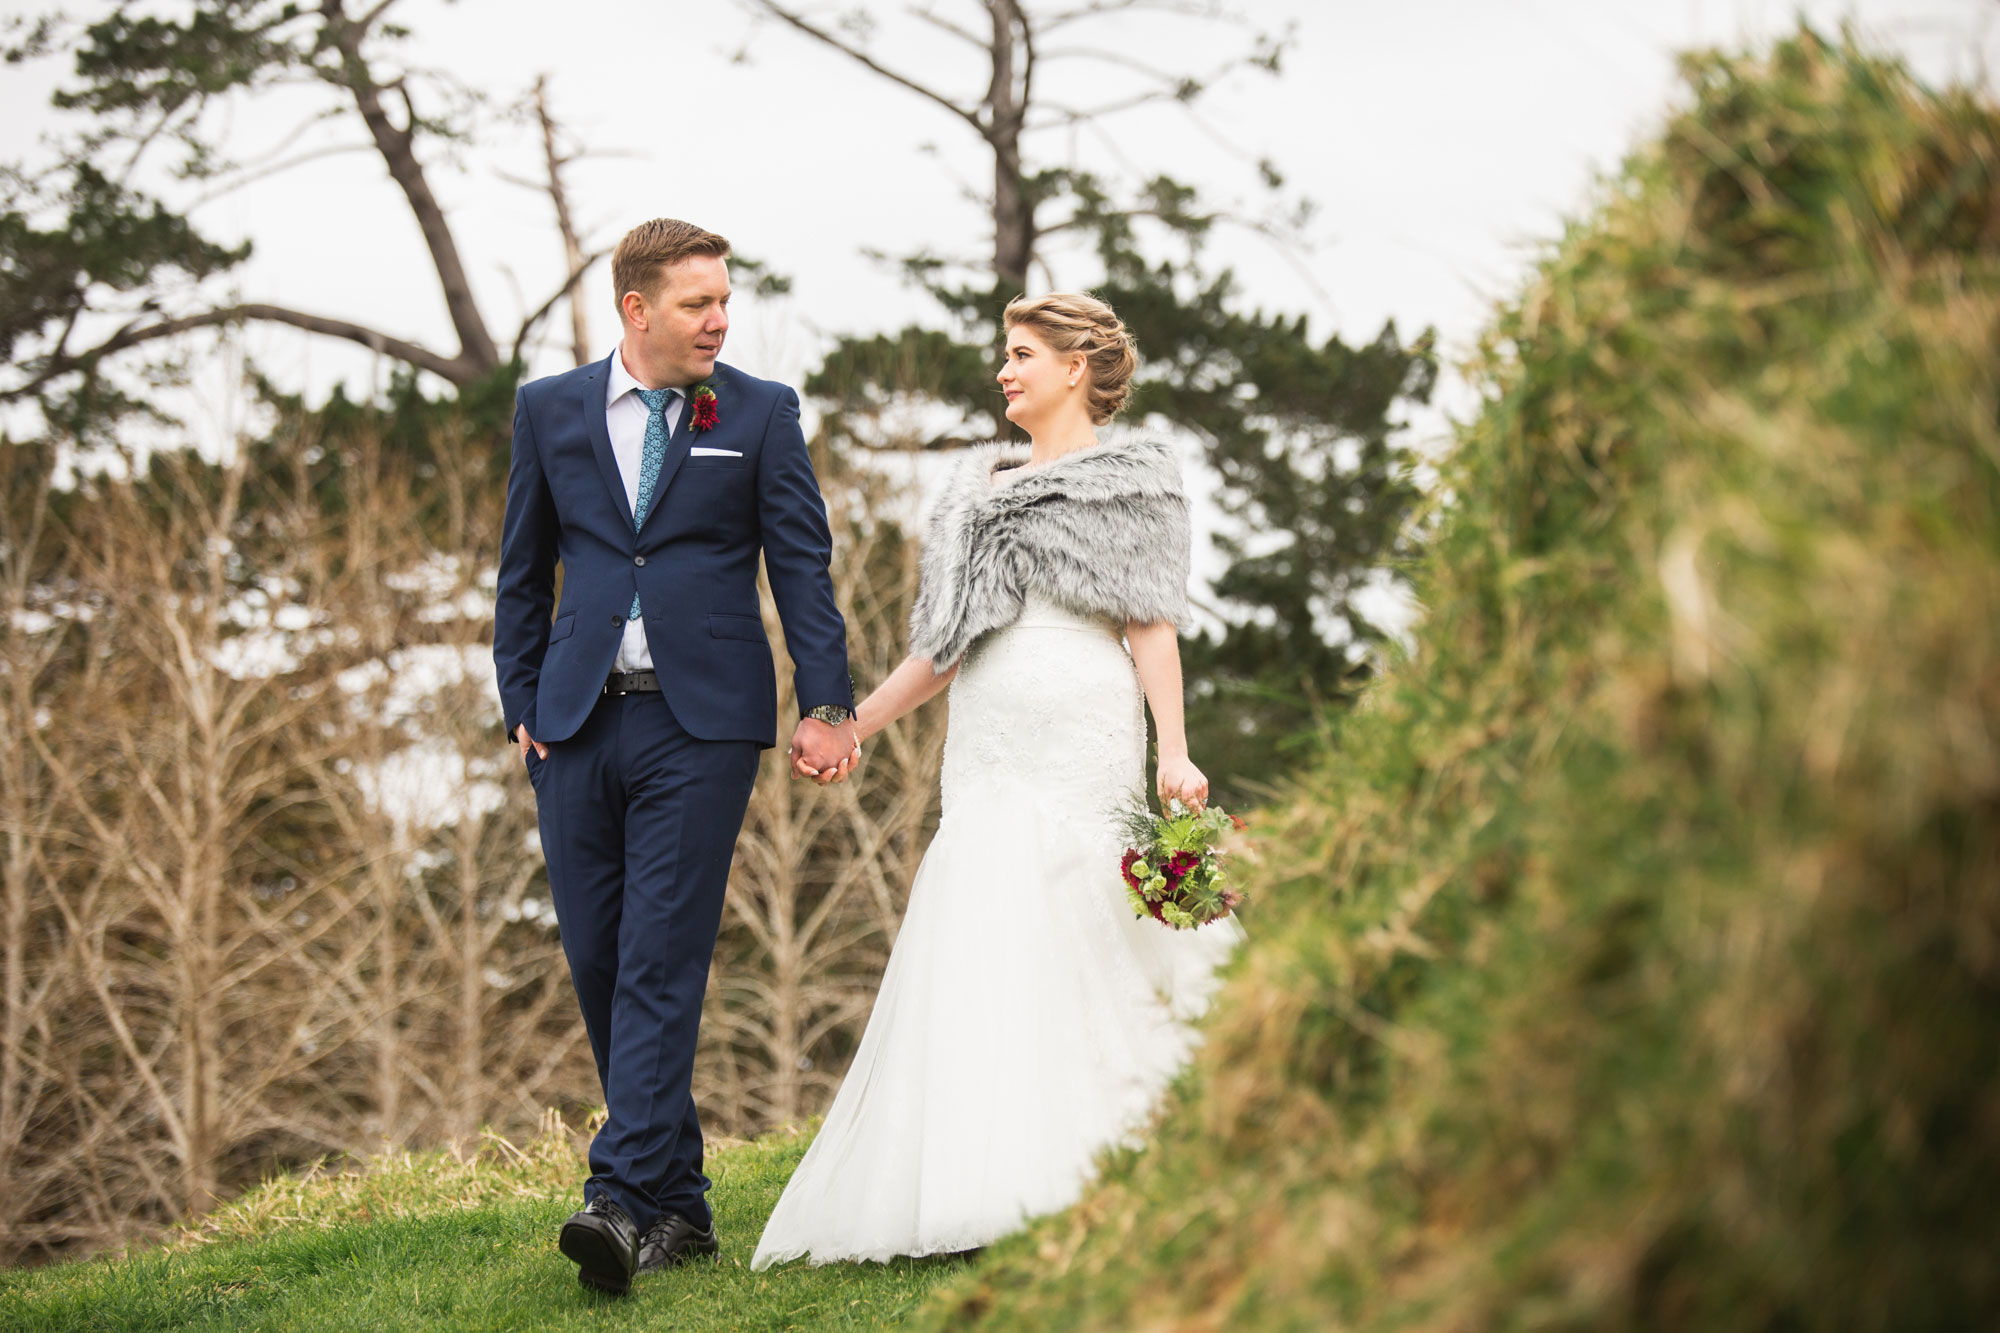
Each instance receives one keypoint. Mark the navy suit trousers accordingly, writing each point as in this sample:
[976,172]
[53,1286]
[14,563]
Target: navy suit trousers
[639,821]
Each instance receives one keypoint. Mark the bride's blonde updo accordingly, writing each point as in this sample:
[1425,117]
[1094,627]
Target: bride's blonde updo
[1076,322]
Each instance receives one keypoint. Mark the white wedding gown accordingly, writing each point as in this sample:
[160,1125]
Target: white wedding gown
[1027,1020]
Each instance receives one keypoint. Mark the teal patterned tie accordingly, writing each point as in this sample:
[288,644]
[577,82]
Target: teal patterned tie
[656,401]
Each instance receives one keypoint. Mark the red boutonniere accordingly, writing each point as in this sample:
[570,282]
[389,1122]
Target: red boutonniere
[705,415]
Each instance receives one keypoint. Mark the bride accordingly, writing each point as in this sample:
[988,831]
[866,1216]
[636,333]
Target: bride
[1026,1020]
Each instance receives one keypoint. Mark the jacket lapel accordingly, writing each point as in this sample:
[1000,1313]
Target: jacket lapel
[600,435]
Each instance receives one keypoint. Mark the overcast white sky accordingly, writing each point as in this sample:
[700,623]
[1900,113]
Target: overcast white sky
[1441,138]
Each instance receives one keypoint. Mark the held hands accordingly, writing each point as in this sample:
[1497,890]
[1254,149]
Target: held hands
[1179,777]
[823,753]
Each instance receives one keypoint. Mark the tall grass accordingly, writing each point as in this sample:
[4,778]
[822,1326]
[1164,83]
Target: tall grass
[1632,958]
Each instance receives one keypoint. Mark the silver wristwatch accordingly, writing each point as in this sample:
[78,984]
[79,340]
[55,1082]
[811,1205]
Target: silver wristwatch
[831,714]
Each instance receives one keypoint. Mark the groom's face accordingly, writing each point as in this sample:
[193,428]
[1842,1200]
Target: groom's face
[680,331]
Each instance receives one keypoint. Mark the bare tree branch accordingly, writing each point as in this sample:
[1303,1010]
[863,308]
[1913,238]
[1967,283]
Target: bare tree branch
[583,265]
[572,246]
[368,21]
[1182,88]
[1197,9]
[456,370]
[1029,56]
[924,13]
[258,161]
[1123,60]
[251,177]
[1287,245]
[1064,17]
[396,144]
[856,54]
[1007,107]
[1064,116]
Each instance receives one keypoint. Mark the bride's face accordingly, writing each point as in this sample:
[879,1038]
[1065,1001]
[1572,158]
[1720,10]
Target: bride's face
[1036,378]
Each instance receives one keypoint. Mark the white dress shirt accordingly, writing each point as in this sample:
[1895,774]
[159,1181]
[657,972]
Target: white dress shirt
[625,414]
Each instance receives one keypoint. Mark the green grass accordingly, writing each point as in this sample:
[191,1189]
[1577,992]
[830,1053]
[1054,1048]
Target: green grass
[441,1242]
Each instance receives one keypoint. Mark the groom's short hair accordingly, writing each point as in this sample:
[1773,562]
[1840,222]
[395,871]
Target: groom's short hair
[641,261]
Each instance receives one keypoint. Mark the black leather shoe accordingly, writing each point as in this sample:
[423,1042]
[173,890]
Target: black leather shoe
[674,1240]
[604,1243]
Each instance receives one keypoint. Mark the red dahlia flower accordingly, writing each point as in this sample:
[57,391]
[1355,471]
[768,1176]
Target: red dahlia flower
[705,415]
[1125,867]
[1180,863]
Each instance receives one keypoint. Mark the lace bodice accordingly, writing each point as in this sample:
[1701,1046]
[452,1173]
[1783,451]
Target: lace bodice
[1053,694]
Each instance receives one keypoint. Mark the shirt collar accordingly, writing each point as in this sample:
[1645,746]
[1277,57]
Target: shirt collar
[620,382]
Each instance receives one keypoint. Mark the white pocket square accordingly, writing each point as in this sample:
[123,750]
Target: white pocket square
[702,451]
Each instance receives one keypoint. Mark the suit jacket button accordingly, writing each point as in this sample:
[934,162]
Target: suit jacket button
[639,560]
[616,621]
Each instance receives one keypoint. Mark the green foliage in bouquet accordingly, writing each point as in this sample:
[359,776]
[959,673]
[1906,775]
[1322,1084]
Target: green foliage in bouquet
[1173,867]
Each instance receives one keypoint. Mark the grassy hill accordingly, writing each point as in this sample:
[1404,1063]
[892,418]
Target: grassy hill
[456,1241]
[1632,958]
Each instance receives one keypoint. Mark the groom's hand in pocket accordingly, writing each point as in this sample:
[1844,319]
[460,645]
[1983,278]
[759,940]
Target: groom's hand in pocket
[541,750]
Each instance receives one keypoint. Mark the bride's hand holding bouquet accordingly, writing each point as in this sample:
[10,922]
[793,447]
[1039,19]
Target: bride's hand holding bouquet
[1173,863]
[1180,780]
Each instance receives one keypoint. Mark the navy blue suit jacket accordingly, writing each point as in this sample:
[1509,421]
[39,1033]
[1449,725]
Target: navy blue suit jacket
[694,564]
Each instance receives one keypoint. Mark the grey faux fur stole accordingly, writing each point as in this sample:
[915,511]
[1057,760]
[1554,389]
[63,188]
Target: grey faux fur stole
[1102,532]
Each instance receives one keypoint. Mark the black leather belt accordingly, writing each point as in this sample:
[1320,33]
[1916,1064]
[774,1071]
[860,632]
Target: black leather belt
[631,682]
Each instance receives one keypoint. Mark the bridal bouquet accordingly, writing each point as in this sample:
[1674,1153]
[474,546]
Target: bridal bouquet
[1173,869]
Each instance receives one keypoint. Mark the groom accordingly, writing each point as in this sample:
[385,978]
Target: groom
[655,477]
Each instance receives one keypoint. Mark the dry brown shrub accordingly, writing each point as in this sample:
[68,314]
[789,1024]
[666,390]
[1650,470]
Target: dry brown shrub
[269,880]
